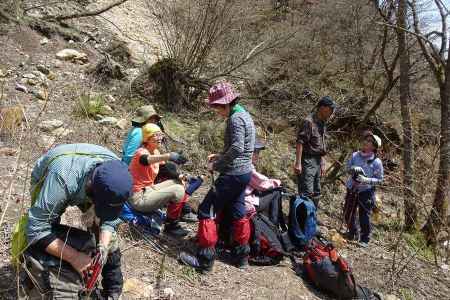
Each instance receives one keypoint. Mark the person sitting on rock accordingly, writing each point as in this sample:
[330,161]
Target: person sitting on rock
[93,179]
[149,196]
[366,171]
[147,115]
[144,115]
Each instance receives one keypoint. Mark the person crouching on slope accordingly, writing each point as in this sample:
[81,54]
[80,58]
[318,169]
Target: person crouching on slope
[228,192]
[148,196]
[366,171]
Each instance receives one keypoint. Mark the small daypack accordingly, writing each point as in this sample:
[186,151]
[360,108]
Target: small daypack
[302,221]
[328,270]
[268,243]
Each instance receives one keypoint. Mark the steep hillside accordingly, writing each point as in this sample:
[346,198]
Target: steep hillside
[63,101]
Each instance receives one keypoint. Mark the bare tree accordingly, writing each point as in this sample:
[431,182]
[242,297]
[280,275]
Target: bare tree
[408,142]
[438,61]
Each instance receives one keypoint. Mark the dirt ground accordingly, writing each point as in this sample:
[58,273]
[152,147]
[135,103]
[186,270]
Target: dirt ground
[21,52]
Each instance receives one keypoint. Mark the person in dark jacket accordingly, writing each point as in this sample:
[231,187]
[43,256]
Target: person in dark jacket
[235,167]
[311,149]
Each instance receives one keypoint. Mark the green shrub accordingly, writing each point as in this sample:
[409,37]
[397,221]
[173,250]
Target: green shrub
[89,106]
[417,242]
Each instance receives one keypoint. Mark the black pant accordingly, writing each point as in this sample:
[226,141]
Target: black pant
[112,278]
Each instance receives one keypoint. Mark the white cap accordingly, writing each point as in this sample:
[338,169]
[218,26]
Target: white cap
[377,140]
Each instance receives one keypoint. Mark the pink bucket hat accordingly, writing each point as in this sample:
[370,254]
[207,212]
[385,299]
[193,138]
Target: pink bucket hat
[222,93]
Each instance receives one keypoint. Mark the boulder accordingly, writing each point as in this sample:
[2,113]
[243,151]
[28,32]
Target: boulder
[168,293]
[71,55]
[44,41]
[41,94]
[122,124]
[21,88]
[7,151]
[51,76]
[43,69]
[46,141]
[134,289]
[108,121]
[61,132]
[29,76]
[50,125]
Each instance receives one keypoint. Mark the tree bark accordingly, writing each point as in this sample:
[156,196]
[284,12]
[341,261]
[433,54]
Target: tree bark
[408,145]
[438,214]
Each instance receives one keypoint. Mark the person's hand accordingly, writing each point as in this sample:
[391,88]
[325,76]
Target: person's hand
[183,179]
[363,179]
[177,158]
[212,157]
[103,250]
[298,168]
[81,262]
[276,183]
[210,166]
[322,170]
[356,170]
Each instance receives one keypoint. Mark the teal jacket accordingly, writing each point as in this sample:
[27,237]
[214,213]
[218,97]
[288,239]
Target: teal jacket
[132,142]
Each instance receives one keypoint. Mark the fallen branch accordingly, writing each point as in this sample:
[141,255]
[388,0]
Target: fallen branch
[88,13]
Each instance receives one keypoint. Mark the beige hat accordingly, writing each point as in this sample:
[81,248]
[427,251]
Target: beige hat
[144,113]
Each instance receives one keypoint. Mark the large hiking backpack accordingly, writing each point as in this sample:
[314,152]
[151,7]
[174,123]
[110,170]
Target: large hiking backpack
[268,244]
[302,220]
[328,270]
[45,276]
[270,204]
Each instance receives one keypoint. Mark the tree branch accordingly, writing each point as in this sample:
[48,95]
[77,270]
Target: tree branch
[88,13]
[421,40]
[444,28]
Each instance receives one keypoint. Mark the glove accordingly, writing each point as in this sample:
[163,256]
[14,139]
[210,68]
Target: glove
[103,250]
[356,170]
[193,184]
[363,179]
[177,158]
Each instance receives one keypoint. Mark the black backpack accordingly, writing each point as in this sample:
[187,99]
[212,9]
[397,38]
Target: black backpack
[268,244]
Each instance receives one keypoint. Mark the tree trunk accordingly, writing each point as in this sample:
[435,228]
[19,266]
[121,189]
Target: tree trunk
[408,145]
[438,214]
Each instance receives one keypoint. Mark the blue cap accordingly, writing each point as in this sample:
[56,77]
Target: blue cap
[111,187]
[327,101]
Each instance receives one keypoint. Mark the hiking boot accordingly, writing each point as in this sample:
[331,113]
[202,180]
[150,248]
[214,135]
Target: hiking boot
[349,236]
[174,228]
[194,262]
[240,254]
[106,296]
[189,218]
[363,244]
[242,263]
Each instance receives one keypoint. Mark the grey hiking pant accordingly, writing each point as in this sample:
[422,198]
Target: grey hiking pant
[309,179]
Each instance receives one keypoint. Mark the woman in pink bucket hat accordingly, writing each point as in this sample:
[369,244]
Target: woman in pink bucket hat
[234,165]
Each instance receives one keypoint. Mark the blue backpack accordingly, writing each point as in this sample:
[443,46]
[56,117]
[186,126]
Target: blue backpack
[302,221]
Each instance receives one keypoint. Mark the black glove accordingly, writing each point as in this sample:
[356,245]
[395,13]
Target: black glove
[177,158]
